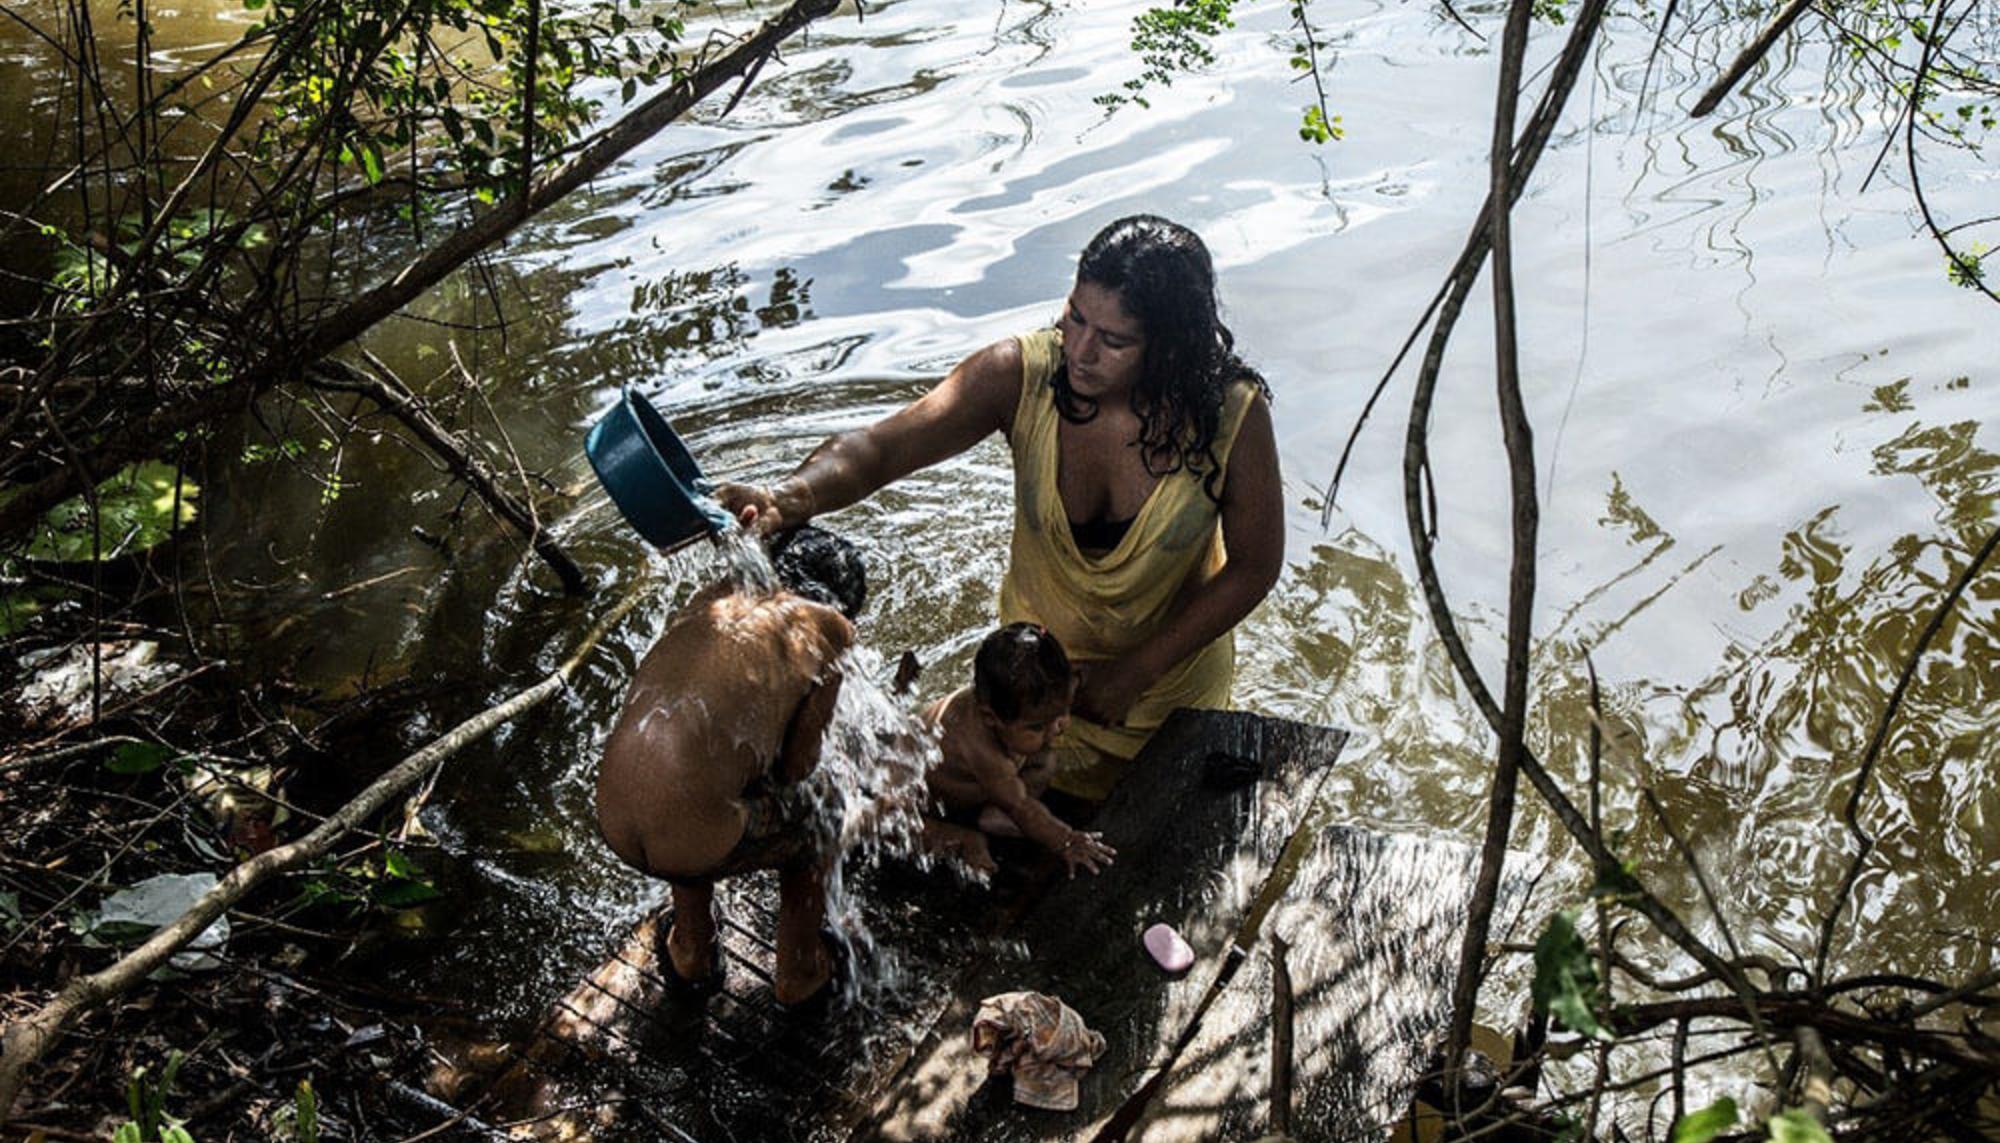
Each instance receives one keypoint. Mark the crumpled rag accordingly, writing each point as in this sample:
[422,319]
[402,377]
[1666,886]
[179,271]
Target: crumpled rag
[1041,1041]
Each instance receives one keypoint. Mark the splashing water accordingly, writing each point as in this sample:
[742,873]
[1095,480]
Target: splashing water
[744,560]
[870,782]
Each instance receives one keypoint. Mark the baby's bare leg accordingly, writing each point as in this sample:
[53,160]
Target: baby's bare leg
[803,964]
[944,839]
[691,940]
[998,822]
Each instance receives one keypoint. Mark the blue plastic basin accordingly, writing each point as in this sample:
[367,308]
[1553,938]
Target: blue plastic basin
[650,474]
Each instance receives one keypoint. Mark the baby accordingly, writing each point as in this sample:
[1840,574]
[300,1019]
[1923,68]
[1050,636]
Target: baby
[995,735]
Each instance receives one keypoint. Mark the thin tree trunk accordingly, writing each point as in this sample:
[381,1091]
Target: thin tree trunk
[1521,580]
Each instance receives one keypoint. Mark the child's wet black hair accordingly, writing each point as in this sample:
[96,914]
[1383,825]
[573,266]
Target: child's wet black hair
[1019,668]
[823,567]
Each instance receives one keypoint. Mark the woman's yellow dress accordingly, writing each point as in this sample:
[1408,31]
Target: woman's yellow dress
[1104,606]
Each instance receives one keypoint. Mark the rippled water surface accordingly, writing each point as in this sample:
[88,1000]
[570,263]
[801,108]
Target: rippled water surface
[1759,405]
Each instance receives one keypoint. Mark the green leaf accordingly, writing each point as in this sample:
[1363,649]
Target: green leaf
[10,911]
[1706,1124]
[371,163]
[135,510]
[305,1114]
[1565,978]
[404,894]
[1795,1126]
[138,758]
[398,864]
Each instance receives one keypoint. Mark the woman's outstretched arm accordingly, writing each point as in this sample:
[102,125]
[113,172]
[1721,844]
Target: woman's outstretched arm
[975,398]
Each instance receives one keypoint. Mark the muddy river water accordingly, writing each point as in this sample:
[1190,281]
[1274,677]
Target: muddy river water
[1760,411]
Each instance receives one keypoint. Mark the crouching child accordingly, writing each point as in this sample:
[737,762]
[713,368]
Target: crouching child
[704,775]
[995,736]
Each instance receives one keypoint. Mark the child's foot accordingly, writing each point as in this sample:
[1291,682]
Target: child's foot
[945,839]
[994,820]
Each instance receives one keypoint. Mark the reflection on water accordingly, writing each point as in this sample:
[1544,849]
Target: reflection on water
[1774,453]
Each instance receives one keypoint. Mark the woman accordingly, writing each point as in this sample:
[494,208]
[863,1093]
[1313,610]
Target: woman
[1148,519]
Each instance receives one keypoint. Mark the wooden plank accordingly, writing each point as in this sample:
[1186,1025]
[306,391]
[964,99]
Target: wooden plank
[1191,853]
[1374,923]
[627,1053]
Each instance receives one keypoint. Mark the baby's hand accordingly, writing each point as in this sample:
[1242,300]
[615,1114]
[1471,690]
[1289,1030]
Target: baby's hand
[1086,850]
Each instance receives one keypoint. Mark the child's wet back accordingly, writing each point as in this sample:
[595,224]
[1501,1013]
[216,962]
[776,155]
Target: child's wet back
[704,774]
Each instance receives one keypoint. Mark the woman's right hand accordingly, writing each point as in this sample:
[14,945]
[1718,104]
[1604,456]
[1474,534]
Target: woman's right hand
[757,507]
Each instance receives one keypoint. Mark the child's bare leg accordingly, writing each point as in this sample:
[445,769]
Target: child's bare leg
[691,941]
[944,839]
[996,821]
[804,967]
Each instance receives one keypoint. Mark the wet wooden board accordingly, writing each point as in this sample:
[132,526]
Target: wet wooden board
[1374,923]
[1190,853]
[630,1053]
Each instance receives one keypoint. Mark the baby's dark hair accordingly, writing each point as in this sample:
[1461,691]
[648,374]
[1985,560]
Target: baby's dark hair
[1018,668]
[823,567]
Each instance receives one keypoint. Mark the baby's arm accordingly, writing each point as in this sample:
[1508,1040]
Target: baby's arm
[1003,787]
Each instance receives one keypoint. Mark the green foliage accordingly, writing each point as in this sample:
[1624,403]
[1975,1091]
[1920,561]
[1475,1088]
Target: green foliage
[1795,1126]
[137,758]
[439,90]
[1706,1124]
[1566,984]
[1314,127]
[402,884]
[1967,268]
[146,1099]
[395,882]
[298,1122]
[1550,12]
[1170,41]
[136,509]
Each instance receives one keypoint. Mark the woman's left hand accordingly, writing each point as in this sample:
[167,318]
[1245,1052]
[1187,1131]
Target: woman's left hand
[1106,690]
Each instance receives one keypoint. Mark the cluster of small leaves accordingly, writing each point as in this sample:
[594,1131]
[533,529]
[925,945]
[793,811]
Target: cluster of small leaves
[136,509]
[1566,984]
[440,90]
[146,1098]
[1315,127]
[1170,41]
[1967,268]
[395,882]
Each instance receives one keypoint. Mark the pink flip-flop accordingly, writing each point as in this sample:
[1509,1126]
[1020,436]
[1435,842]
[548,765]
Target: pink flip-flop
[1167,948]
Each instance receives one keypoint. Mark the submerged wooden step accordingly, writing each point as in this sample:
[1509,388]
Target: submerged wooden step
[1374,923]
[1197,837]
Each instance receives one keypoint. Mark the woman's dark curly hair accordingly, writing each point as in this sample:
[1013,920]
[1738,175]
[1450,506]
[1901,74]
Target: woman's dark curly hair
[1165,278]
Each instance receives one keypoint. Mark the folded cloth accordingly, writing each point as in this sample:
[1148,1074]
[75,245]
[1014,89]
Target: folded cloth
[1041,1041]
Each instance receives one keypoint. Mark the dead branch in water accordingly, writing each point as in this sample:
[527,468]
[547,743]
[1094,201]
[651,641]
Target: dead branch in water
[388,392]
